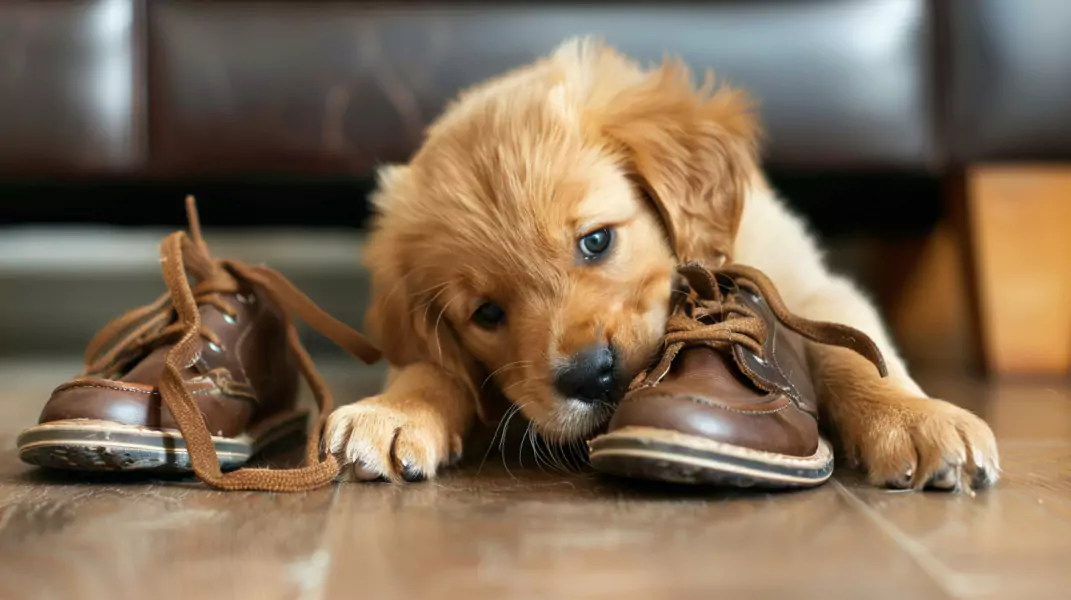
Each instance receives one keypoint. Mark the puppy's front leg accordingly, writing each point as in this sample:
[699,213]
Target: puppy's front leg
[889,426]
[408,431]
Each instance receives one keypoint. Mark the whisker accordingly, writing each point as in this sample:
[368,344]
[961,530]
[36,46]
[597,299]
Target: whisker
[531,433]
[569,455]
[438,342]
[552,460]
[563,458]
[522,381]
[431,302]
[566,458]
[516,364]
[580,451]
[401,280]
[491,444]
[544,451]
[520,446]
[502,442]
[426,290]
[540,460]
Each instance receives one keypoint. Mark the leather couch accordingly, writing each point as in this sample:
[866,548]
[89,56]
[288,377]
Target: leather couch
[135,94]
[166,89]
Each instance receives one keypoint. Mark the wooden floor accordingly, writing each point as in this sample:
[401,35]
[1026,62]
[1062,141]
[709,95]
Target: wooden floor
[533,534]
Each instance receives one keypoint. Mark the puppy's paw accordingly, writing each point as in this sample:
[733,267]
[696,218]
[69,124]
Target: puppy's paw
[375,441]
[923,443]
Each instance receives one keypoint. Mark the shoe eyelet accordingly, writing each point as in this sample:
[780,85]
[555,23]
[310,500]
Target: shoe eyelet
[214,347]
[230,319]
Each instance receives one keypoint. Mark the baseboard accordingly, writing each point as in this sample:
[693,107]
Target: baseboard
[58,286]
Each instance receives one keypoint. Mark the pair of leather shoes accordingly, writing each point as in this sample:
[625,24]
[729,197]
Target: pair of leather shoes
[731,399]
[199,380]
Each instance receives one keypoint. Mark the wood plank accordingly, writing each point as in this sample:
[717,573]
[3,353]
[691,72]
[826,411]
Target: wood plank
[110,538]
[545,537]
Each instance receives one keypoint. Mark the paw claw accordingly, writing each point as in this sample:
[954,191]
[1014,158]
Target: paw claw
[412,473]
[945,479]
[456,453]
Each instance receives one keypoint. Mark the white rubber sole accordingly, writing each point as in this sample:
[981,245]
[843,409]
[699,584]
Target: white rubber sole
[664,455]
[95,445]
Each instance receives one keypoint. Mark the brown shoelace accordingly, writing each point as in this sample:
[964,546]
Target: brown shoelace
[175,315]
[710,317]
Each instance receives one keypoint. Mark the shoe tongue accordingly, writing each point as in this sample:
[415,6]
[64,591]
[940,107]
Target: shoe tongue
[149,369]
[699,358]
[704,361]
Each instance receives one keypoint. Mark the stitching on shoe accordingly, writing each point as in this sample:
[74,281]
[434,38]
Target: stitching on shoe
[713,404]
[227,384]
[125,389]
[790,389]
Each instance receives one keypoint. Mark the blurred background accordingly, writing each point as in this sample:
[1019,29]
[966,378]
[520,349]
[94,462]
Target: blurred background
[928,142]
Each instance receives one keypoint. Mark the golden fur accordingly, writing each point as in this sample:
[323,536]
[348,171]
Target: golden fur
[490,209]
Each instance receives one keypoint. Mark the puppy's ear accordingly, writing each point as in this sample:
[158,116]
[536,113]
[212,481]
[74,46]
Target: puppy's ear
[692,149]
[405,317]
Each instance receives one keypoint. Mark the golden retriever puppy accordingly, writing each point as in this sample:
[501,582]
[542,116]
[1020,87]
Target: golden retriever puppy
[539,225]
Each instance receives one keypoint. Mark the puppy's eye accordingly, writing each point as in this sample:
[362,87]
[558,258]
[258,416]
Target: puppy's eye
[596,243]
[489,315]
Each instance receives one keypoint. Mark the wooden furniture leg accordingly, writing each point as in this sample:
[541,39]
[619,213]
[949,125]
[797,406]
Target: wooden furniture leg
[1020,229]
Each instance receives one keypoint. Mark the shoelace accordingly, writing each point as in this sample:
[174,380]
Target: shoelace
[710,317]
[183,258]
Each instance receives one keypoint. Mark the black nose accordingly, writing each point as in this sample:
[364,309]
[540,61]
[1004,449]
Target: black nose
[589,376]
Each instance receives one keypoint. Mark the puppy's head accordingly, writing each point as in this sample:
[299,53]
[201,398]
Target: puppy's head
[529,246]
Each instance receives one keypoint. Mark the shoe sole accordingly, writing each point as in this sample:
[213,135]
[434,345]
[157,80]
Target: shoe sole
[95,445]
[670,456]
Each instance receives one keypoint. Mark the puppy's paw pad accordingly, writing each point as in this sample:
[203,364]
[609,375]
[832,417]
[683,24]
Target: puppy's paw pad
[930,444]
[376,442]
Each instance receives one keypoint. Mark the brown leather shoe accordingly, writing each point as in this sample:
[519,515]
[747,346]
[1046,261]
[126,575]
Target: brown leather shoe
[199,380]
[731,399]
